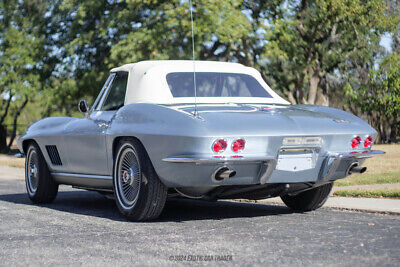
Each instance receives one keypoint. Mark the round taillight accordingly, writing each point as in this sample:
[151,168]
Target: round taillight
[355,142]
[219,145]
[238,145]
[368,141]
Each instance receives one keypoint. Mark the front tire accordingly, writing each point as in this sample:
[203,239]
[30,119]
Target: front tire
[309,200]
[40,186]
[139,194]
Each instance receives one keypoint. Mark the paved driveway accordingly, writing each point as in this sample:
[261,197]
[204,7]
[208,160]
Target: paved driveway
[83,227]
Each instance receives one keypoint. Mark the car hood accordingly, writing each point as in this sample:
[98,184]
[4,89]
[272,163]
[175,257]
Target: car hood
[253,119]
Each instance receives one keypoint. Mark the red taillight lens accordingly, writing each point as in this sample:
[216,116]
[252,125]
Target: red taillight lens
[238,145]
[219,145]
[368,141]
[355,142]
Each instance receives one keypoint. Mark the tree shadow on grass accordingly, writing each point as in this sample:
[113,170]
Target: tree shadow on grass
[176,210]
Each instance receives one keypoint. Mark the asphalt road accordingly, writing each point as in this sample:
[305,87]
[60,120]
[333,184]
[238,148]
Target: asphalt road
[83,227]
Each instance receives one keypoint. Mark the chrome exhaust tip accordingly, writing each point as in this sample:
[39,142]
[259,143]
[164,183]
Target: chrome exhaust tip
[355,168]
[223,173]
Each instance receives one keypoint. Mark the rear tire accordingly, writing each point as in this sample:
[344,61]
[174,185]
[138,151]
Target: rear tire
[139,193]
[308,200]
[40,186]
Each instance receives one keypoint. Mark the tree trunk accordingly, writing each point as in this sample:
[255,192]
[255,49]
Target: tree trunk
[381,130]
[322,98]
[3,129]
[314,81]
[3,117]
[323,91]
[291,98]
[14,130]
[248,55]
[3,140]
[394,126]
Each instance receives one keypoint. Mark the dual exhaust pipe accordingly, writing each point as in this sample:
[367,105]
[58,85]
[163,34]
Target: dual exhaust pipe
[226,173]
[355,168]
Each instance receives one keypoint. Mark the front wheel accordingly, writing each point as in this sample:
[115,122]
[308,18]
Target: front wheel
[309,200]
[40,185]
[139,194]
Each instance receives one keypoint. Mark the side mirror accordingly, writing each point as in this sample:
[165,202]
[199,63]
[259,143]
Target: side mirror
[83,106]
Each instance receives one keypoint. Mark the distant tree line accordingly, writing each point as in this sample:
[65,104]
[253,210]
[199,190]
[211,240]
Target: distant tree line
[325,52]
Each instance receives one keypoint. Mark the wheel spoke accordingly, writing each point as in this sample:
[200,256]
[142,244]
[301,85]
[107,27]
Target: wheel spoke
[127,192]
[125,166]
[125,187]
[126,163]
[128,177]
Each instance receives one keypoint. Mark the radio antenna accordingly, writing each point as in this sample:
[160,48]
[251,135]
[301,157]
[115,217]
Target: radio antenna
[194,63]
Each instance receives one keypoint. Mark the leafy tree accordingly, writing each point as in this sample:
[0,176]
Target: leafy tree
[380,97]
[19,77]
[220,29]
[316,41]
[99,35]
[55,52]
[394,9]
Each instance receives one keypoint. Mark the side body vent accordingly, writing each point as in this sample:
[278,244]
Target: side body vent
[53,155]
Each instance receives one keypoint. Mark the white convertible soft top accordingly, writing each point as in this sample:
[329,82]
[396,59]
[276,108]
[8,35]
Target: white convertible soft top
[147,82]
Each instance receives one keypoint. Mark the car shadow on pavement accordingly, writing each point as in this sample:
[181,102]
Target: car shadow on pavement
[188,210]
[177,210]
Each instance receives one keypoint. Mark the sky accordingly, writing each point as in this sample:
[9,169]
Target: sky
[386,42]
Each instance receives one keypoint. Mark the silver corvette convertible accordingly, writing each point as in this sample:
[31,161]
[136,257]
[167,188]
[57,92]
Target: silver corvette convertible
[194,129]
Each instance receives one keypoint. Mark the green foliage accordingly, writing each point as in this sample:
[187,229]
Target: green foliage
[99,35]
[382,93]
[166,32]
[20,54]
[17,63]
[56,52]
[318,40]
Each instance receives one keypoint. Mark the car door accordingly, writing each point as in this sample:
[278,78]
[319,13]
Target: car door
[85,138]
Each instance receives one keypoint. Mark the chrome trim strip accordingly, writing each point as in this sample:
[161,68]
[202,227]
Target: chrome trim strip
[105,94]
[99,98]
[217,159]
[362,154]
[93,188]
[84,180]
[79,175]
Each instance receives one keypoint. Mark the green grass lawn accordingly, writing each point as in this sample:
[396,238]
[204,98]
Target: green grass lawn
[374,178]
[383,169]
[369,193]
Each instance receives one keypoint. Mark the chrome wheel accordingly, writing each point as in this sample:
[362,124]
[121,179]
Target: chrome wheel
[32,172]
[128,177]
[139,194]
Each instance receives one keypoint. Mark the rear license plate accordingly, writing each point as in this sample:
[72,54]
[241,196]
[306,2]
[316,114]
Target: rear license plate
[296,162]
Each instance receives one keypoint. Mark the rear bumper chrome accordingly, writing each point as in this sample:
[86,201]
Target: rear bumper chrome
[332,166]
[360,155]
[237,158]
[266,164]
[218,159]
